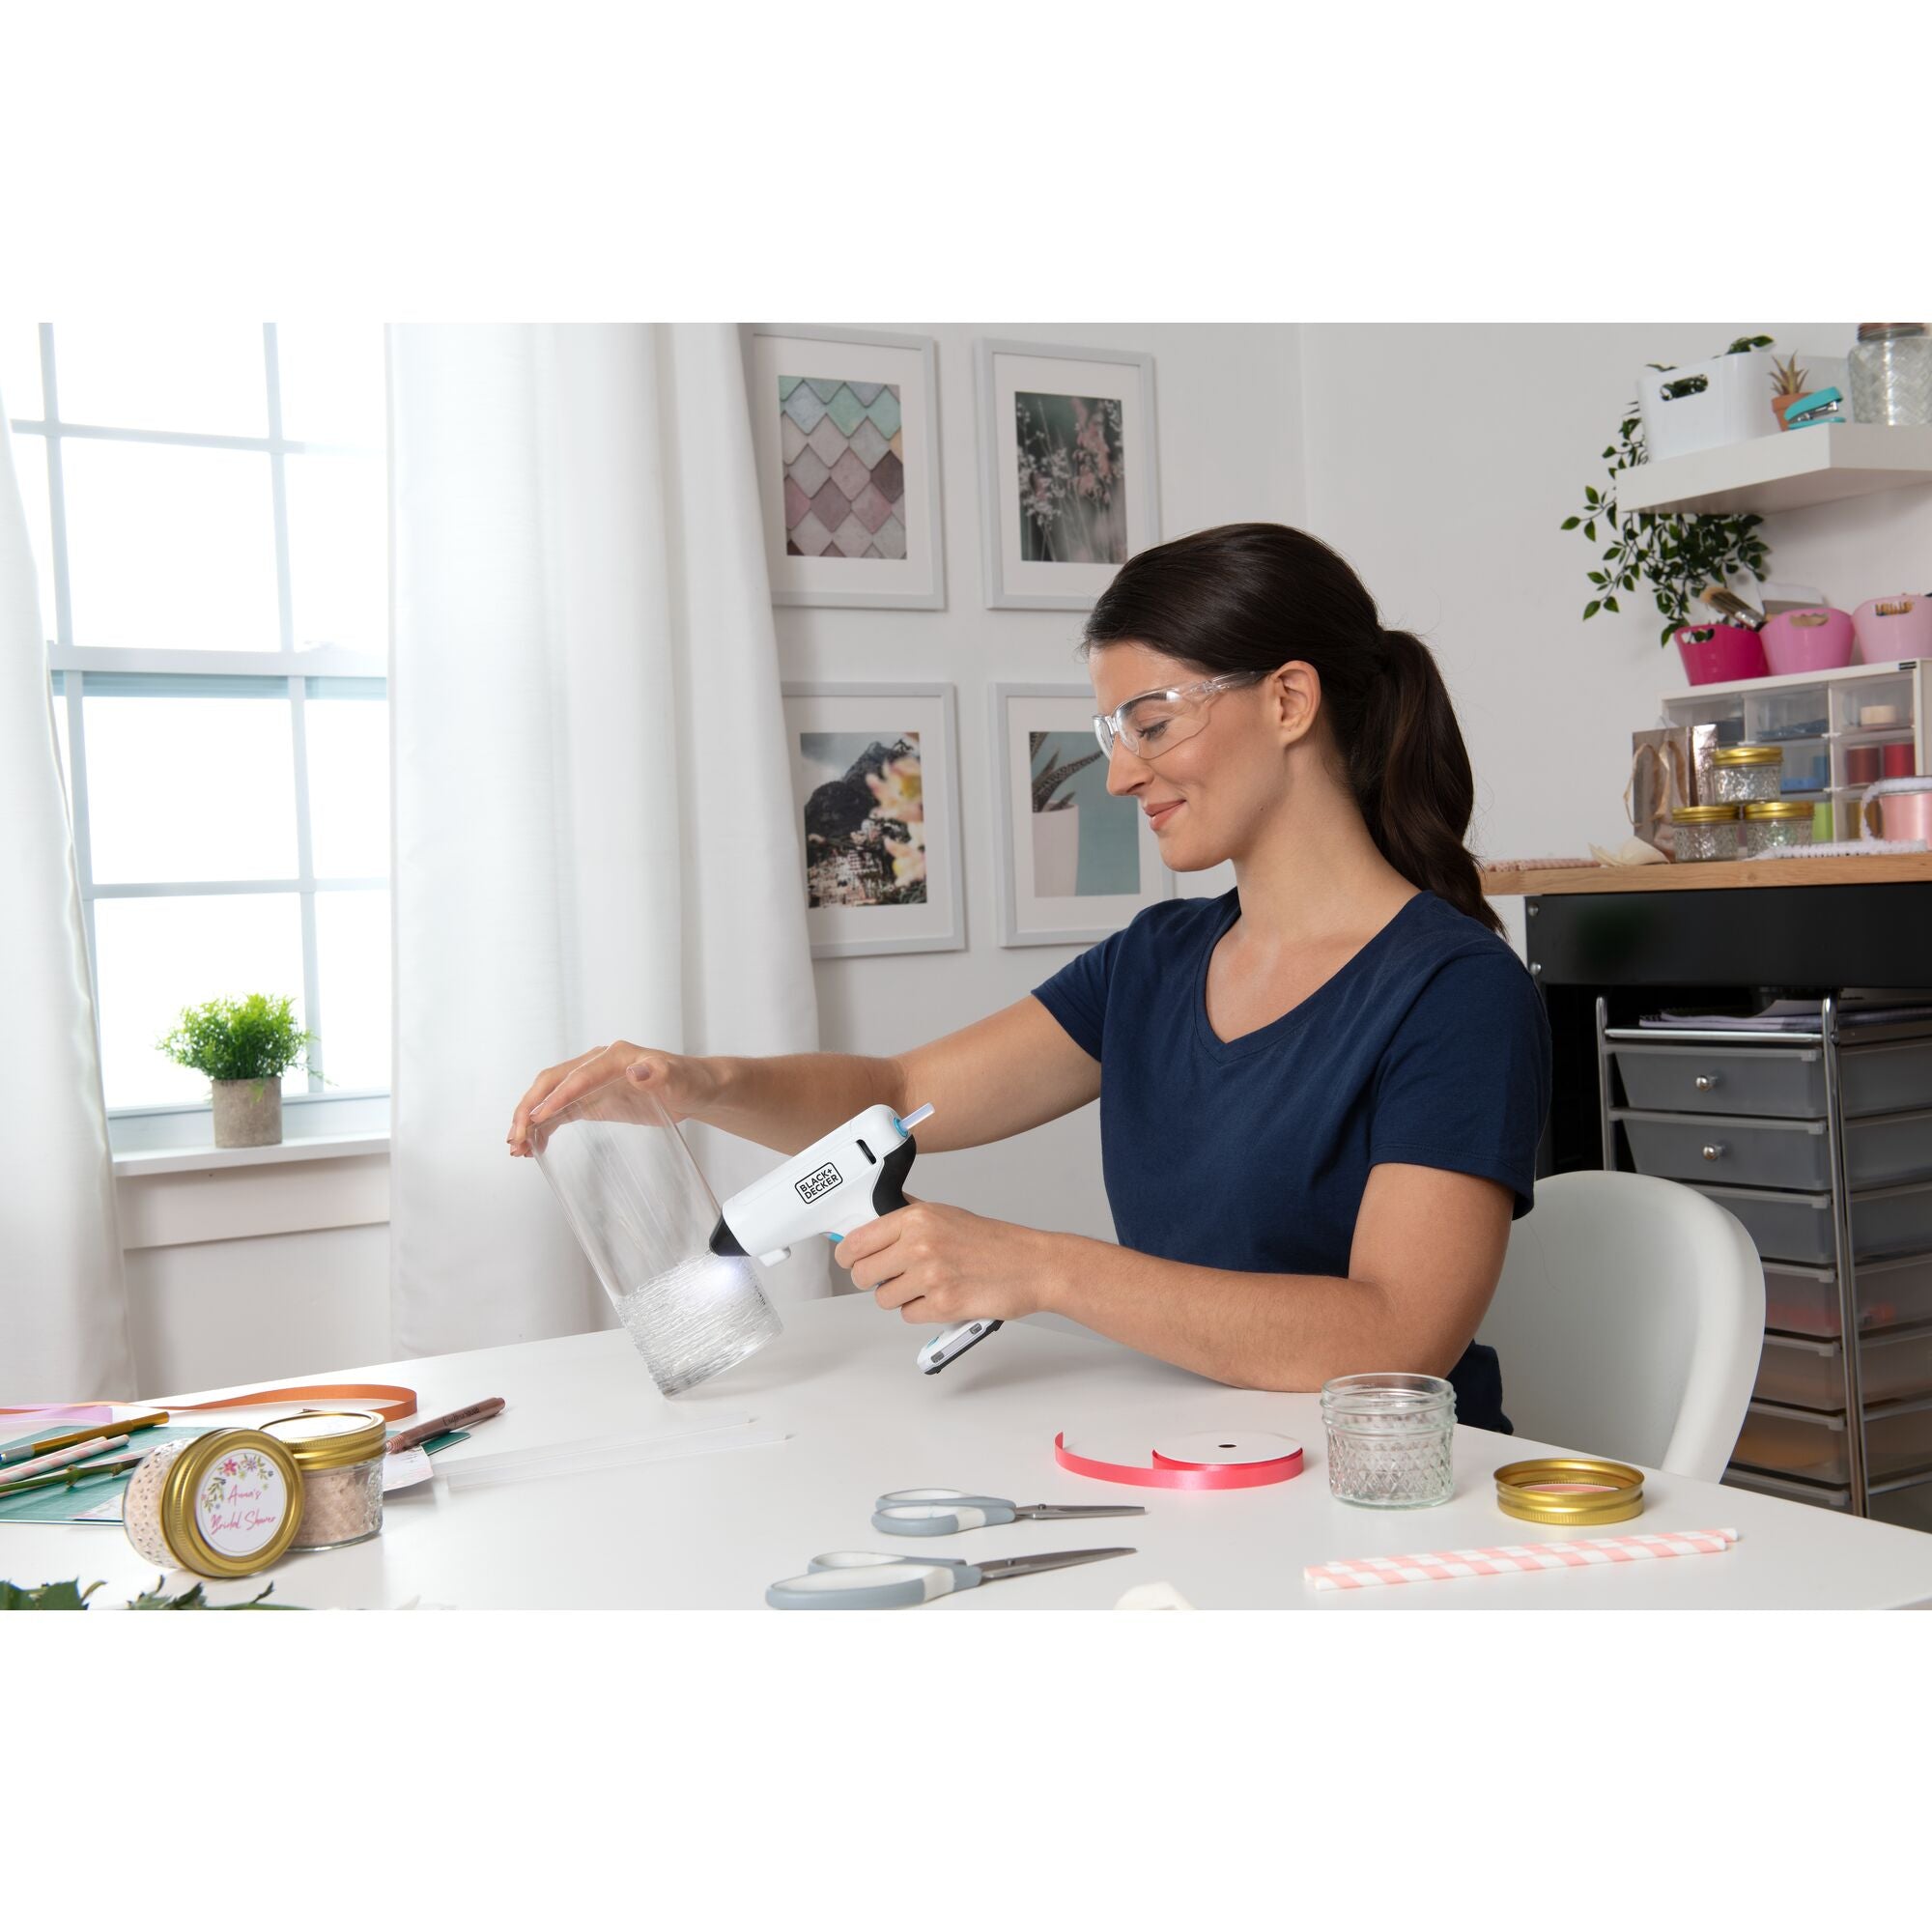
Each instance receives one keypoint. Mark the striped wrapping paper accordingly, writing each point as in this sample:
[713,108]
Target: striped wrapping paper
[1441,1566]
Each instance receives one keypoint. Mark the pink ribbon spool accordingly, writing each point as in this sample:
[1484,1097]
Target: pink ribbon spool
[1189,1465]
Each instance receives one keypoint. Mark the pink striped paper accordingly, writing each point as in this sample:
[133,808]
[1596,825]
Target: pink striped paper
[1441,1566]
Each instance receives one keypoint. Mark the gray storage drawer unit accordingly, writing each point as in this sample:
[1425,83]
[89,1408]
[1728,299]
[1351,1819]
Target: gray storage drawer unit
[1879,1152]
[1778,1082]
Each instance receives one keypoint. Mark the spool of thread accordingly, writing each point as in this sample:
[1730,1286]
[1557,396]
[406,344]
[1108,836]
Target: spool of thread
[1898,762]
[1861,764]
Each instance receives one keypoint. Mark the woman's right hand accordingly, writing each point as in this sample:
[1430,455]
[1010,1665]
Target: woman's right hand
[682,1085]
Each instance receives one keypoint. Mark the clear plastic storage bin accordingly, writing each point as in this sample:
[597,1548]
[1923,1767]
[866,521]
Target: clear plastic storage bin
[1881,1150]
[1811,1374]
[1805,1300]
[1788,1442]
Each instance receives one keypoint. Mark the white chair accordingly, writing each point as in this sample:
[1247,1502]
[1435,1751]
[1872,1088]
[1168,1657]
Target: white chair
[1629,1318]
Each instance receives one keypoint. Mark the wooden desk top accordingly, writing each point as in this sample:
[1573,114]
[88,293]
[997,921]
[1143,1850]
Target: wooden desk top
[1713,874]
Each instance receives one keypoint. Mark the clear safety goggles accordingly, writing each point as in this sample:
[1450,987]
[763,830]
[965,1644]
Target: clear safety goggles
[1157,721]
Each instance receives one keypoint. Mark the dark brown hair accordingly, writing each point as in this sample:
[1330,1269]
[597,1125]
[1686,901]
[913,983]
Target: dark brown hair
[1251,597]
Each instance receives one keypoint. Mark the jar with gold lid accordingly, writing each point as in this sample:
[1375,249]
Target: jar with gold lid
[1786,821]
[1743,772]
[223,1504]
[339,1452]
[1705,831]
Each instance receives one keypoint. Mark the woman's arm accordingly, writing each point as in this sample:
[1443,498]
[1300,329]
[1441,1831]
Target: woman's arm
[1428,1252]
[1015,1070]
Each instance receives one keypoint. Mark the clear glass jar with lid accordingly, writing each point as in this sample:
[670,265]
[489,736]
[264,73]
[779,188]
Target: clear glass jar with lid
[339,1452]
[1705,831]
[1391,1440]
[1892,373]
[1770,823]
[1742,773]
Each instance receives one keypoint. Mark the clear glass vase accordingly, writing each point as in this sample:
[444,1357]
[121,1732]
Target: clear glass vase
[642,1213]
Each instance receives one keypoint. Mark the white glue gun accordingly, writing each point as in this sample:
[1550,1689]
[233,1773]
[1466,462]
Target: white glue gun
[837,1185]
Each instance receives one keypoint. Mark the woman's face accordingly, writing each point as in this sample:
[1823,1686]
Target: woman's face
[1207,796]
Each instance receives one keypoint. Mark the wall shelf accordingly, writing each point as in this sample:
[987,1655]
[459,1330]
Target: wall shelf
[1787,472]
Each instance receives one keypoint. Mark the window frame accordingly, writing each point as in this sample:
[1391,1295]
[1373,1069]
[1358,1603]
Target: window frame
[74,668]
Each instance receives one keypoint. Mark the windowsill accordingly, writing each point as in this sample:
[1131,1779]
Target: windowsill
[200,1160]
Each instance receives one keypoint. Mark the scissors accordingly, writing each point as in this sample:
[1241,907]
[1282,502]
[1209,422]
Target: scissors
[942,1511]
[864,1579]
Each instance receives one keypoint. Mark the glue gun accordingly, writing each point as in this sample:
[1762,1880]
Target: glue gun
[837,1185]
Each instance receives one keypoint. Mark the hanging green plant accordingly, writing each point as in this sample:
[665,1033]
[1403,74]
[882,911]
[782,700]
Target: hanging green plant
[1677,557]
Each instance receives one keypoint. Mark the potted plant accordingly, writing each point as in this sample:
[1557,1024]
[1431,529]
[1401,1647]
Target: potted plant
[1788,381]
[245,1046]
[1677,557]
[1056,820]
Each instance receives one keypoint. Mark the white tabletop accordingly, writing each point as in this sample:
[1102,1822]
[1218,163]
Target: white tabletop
[711,1531]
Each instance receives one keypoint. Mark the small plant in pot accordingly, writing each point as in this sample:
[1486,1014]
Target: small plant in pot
[245,1046]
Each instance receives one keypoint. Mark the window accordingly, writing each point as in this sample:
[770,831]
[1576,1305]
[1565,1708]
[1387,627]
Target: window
[208,507]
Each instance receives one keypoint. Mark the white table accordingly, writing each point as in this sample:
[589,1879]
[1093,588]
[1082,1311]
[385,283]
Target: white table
[709,1532]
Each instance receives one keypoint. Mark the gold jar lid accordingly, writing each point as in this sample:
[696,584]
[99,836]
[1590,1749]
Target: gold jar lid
[230,1502]
[1574,1491]
[1704,814]
[1780,807]
[330,1439]
[1748,755]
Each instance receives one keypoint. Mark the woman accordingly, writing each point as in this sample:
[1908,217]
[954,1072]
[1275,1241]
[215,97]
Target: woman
[1320,1094]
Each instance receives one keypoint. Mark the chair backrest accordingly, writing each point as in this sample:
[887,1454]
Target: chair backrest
[1629,1319]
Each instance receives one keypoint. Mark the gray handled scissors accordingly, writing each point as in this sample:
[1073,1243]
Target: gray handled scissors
[942,1511]
[862,1580]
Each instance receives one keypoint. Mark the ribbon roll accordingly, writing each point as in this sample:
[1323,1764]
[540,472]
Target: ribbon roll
[1205,1461]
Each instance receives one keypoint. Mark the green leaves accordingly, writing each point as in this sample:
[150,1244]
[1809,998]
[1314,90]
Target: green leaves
[253,1038]
[1676,556]
[69,1596]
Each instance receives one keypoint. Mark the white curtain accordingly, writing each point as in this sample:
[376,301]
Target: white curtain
[595,831]
[63,1301]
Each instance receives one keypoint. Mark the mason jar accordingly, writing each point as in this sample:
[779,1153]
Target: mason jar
[1743,772]
[1705,831]
[1786,821]
[1390,1439]
[1892,373]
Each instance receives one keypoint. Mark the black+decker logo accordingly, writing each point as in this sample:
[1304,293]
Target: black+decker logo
[820,1181]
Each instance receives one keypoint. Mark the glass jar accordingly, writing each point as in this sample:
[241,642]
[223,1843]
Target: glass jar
[642,1213]
[223,1504]
[1745,772]
[1705,831]
[1390,1439]
[1892,373]
[339,1452]
[1786,822]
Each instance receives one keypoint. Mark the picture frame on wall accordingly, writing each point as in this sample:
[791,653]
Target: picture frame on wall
[875,777]
[1075,863]
[845,431]
[1069,482]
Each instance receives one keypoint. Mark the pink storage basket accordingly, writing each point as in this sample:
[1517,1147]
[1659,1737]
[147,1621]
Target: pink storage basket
[1719,653]
[1897,634]
[1816,639]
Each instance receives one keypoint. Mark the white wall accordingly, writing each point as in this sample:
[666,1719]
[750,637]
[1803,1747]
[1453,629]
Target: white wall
[1442,462]
[1229,403]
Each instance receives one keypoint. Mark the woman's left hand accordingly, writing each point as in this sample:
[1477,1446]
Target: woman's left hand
[938,1263]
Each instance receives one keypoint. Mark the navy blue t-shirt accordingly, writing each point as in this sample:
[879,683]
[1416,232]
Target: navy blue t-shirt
[1430,1047]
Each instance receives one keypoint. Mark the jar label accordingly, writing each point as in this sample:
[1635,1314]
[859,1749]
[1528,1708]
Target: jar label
[241,1502]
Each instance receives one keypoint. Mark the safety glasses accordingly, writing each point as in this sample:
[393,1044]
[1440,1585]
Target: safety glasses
[1157,721]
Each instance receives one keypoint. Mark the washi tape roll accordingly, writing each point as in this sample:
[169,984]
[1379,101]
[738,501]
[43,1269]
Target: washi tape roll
[1208,1460]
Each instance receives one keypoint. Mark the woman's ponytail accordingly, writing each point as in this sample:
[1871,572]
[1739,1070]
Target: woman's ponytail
[1410,775]
[1250,597]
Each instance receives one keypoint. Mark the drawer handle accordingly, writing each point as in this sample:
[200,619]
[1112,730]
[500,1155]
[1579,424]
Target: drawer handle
[1713,1149]
[1704,1082]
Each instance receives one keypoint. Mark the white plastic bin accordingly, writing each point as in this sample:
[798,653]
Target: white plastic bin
[1705,404]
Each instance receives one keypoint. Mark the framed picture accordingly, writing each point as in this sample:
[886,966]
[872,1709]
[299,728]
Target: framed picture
[1068,484]
[1075,863]
[875,773]
[846,430]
